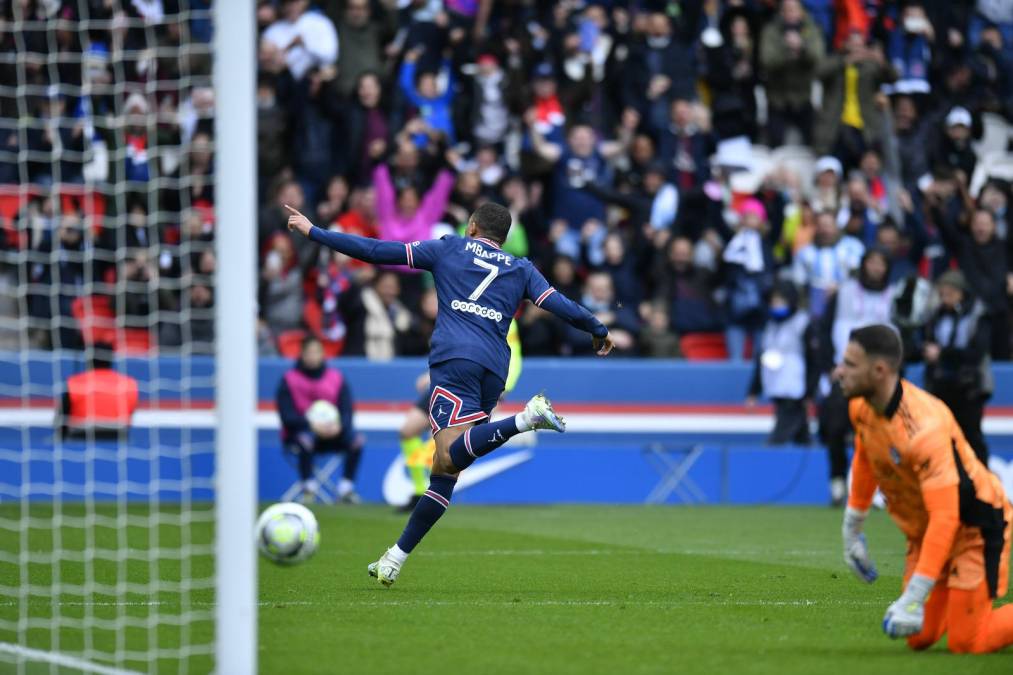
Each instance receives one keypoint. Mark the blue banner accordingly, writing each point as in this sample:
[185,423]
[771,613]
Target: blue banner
[631,381]
[173,464]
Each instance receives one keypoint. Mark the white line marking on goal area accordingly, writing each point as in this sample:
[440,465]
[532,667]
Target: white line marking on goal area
[535,552]
[64,660]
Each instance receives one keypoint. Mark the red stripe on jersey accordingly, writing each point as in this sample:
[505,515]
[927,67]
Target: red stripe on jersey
[488,241]
[457,404]
[541,298]
[474,417]
[408,252]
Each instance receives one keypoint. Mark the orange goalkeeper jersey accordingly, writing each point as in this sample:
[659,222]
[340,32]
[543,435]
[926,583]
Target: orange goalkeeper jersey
[936,490]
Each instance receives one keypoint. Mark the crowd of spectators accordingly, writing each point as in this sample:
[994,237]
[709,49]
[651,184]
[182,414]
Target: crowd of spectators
[667,163]
[106,174]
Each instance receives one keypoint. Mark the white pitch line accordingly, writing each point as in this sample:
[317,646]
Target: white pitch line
[59,659]
[121,603]
[625,422]
[535,552]
[83,603]
[602,423]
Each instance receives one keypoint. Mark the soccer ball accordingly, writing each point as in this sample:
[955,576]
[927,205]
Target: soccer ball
[287,533]
[323,414]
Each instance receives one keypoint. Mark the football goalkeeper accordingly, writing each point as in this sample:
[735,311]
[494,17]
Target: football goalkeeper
[953,511]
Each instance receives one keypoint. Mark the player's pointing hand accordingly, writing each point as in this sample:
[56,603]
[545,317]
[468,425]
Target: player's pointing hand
[602,346]
[298,222]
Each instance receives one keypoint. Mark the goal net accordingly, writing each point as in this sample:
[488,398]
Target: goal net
[107,284]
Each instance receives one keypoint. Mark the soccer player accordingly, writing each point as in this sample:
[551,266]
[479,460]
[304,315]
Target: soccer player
[479,287]
[951,508]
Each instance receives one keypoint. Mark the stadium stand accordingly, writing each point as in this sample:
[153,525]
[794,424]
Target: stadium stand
[667,117]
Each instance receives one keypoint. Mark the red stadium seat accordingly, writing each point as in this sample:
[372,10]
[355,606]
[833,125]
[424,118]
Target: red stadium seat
[11,202]
[333,348]
[12,199]
[95,319]
[97,322]
[90,203]
[703,347]
[290,343]
[134,341]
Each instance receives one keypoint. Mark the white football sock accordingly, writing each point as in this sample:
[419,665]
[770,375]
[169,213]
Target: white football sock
[395,553]
[521,420]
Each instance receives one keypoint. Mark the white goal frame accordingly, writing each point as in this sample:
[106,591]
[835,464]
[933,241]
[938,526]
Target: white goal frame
[235,63]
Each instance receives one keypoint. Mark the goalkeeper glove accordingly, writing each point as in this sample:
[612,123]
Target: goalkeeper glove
[906,615]
[856,552]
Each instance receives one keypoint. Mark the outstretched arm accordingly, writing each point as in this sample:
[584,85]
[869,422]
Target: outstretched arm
[546,297]
[578,317]
[407,79]
[612,149]
[362,248]
[435,201]
[386,197]
[550,152]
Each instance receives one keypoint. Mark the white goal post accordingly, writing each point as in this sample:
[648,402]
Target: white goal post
[128,196]
[236,355]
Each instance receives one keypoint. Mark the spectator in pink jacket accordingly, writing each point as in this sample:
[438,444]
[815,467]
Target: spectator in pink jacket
[400,215]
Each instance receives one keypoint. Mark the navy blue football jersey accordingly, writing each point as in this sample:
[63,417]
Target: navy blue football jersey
[479,288]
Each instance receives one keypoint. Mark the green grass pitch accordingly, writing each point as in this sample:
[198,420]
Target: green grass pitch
[567,589]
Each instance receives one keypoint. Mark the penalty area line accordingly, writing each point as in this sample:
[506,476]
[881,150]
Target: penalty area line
[58,659]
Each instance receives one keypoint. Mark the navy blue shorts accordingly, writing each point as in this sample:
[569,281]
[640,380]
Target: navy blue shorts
[461,392]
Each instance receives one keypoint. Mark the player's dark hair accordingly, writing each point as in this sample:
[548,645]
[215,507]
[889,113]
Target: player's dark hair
[880,341]
[493,221]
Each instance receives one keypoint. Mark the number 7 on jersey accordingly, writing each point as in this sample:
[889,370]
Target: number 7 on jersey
[480,289]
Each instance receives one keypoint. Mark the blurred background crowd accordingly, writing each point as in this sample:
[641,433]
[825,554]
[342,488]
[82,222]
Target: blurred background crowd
[695,172]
